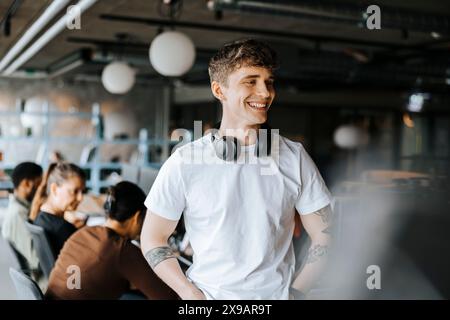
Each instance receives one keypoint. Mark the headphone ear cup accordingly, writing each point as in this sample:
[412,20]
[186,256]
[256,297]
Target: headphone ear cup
[227,148]
[109,204]
[264,142]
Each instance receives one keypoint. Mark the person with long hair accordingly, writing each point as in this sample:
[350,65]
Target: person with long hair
[108,264]
[60,192]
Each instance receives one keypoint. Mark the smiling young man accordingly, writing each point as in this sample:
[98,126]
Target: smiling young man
[240,221]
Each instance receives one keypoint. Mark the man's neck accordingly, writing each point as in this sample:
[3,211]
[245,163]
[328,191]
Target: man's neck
[245,133]
[117,227]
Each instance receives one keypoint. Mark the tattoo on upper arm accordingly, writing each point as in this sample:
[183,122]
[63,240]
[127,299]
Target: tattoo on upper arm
[157,255]
[316,252]
[325,214]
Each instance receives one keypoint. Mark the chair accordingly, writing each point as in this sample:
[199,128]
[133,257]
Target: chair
[26,288]
[43,249]
[87,154]
[20,259]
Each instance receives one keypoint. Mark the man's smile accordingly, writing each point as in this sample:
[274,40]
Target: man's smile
[259,106]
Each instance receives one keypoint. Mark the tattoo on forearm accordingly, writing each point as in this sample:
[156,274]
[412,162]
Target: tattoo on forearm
[325,214]
[327,230]
[316,253]
[157,255]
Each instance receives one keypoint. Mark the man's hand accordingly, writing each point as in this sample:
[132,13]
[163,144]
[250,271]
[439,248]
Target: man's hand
[78,219]
[318,227]
[155,233]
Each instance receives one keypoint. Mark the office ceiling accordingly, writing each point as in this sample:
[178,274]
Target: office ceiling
[318,44]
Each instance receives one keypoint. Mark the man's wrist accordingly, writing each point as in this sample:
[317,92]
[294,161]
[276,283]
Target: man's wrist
[190,292]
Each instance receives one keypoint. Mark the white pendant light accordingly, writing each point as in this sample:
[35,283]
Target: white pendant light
[33,116]
[350,137]
[172,53]
[118,77]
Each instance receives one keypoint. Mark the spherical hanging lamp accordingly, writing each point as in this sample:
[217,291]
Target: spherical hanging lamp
[350,137]
[118,77]
[172,53]
[33,116]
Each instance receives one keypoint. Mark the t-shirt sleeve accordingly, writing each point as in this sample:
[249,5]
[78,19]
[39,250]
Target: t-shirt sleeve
[314,194]
[135,269]
[167,195]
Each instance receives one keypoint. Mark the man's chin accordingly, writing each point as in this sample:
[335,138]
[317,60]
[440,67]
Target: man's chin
[261,120]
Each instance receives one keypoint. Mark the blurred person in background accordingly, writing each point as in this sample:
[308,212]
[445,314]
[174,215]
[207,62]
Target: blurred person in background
[26,177]
[56,200]
[110,264]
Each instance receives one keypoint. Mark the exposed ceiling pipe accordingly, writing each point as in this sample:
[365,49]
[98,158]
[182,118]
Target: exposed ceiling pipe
[391,17]
[51,11]
[59,26]
[292,8]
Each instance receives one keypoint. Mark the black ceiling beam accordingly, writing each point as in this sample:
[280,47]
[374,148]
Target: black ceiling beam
[348,13]
[107,43]
[102,43]
[5,23]
[278,34]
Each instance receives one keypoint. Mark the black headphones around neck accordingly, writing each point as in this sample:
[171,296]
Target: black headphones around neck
[110,203]
[228,148]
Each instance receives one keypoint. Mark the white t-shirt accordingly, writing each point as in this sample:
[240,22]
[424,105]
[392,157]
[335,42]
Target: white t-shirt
[239,216]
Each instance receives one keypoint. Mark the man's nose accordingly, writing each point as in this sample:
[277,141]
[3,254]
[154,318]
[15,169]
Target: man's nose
[263,91]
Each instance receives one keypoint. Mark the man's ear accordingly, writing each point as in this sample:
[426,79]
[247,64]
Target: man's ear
[136,216]
[135,220]
[217,90]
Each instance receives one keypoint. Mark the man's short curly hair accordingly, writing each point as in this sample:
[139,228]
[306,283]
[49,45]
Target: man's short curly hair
[241,53]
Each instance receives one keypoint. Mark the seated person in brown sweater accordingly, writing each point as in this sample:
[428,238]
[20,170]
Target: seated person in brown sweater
[58,195]
[109,263]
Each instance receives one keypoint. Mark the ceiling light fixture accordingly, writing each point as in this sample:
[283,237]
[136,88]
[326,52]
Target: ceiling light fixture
[118,77]
[172,53]
[416,101]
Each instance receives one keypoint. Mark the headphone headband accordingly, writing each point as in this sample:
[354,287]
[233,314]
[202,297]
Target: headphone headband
[110,202]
